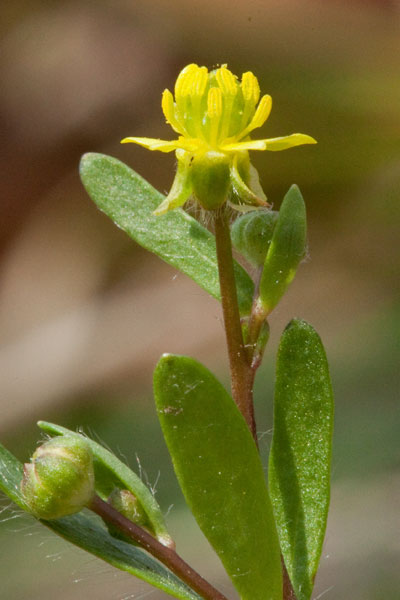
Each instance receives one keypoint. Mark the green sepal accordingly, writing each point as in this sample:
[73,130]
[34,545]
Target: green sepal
[219,470]
[287,249]
[300,458]
[245,183]
[181,187]
[175,237]
[110,473]
[90,535]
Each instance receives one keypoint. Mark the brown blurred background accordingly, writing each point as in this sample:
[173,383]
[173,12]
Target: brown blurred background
[85,313]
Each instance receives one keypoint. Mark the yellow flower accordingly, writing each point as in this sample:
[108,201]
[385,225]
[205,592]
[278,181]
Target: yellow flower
[214,113]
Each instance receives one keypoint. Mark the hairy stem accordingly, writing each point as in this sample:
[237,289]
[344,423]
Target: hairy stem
[243,362]
[165,555]
[242,376]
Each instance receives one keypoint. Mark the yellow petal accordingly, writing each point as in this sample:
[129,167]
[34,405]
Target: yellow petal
[152,143]
[288,141]
[239,146]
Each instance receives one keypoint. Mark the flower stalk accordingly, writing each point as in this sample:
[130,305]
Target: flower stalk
[165,555]
[241,374]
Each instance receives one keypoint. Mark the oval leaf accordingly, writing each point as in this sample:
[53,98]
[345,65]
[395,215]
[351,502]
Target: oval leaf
[175,237]
[90,535]
[110,472]
[287,249]
[299,464]
[220,473]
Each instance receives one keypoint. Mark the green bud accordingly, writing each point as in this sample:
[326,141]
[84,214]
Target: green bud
[59,480]
[287,249]
[252,234]
[129,506]
[211,179]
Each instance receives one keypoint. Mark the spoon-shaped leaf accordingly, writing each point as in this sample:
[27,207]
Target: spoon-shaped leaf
[175,237]
[299,466]
[220,473]
[286,250]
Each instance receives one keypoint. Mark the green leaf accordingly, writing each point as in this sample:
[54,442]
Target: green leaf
[286,250]
[110,472]
[220,473]
[175,237]
[90,535]
[300,459]
[11,472]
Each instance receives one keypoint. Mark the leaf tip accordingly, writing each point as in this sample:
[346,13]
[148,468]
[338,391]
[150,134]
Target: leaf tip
[167,357]
[295,188]
[295,324]
[87,159]
[165,363]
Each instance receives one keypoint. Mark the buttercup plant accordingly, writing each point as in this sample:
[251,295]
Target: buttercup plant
[268,535]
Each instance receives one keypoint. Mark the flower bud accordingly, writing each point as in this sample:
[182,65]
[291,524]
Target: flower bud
[211,179]
[251,234]
[129,506]
[59,480]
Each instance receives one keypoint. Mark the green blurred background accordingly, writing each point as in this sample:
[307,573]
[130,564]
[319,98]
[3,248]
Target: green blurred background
[85,313]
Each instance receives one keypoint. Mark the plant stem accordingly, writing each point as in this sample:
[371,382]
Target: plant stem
[242,376]
[243,364]
[165,555]
[287,591]
[255,323]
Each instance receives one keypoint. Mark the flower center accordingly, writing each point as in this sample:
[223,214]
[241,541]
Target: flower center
[213,108]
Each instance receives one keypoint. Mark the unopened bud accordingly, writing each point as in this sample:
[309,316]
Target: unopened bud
[59,480]
[252,234]
[128,505]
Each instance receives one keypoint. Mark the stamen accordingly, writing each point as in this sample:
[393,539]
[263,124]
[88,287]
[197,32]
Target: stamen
[262,113]
[214,103]
[251,93]
[214,110]
[200,81]
[199,85]
[168,108]
[181,82]
[229,87]
[226,81]
[183,88]
[250,88]
[260,116]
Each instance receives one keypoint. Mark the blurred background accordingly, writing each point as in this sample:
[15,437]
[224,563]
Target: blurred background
[85,313]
